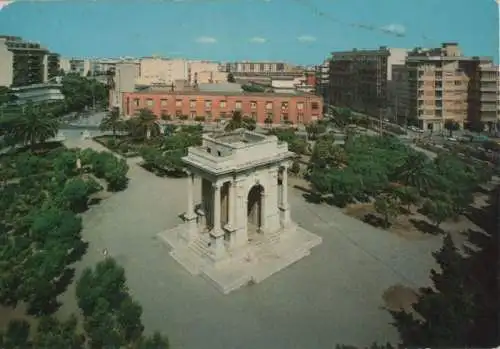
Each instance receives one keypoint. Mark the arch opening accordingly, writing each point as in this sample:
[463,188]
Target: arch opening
[254,209]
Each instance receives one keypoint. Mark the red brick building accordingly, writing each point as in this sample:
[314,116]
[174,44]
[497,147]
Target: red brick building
[296,108]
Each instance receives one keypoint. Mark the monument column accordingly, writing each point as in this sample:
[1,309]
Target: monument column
[240,214]
[217,234]
[264,195]
[272,205]
[190,215]
[285,207]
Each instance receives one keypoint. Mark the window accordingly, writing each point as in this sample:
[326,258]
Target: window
[458,82]
[300,106]
[314,105]
[178,103]
[269,105]
[137,102]
[193,114]
[253,104]
[209,150]
[284,117]
[300,117]
[163,102]
[223,104]
[178,113]
[237,105]
[218,153]
[284,105]
[223,115]
[208,115]
[149,102]
[254,116]
[192,104]
[208,104]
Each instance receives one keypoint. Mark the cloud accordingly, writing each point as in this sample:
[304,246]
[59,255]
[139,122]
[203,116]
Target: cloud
[206,40]
[306,38]
[394,28]
[258,40]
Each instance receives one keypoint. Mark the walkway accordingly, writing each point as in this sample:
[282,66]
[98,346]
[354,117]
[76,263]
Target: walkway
[332,296]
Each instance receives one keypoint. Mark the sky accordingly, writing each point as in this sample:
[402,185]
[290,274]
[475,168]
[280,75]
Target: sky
[296,31]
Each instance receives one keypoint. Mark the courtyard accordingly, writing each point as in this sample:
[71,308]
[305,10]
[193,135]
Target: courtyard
[335,295]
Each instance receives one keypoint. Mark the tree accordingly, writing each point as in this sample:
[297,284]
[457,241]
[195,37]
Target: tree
[77,191]
[451,125]
[314,129]
[407,196]
[52,333]
[230,78]
[238,121]
[111,317]
[447,308]
[111,122]
[476,125]
[156,341]
[327,155]
[35,125]
[388,206]
[416,171]
[269,120]
[438,210]
[16,336]
[146,122]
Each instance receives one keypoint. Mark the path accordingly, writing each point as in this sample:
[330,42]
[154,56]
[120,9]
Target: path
[332,296]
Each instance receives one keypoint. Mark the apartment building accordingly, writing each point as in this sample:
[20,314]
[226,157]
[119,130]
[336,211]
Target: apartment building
[205,72]
[362,79]
[322,80]
[24,63]
[441,83]
[79,66]
[157,70]
[123,80]
[218,105]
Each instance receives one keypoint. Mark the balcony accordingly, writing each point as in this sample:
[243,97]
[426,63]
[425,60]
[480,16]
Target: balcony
[489,88]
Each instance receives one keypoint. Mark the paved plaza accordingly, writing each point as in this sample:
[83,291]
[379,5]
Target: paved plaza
[332,296]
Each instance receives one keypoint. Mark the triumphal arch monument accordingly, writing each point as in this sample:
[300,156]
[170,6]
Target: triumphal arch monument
[237,227]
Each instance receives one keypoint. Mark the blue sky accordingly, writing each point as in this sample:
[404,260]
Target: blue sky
[299,31]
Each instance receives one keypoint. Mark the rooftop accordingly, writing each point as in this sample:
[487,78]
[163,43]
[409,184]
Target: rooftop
[222,93]
[229,152]
[238,138]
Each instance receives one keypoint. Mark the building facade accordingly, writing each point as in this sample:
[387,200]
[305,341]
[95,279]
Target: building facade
[294,108]
[361,79]
[38,93]
[24,63]
[444,84]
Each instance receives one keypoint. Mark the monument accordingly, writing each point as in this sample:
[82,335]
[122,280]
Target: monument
[240,231]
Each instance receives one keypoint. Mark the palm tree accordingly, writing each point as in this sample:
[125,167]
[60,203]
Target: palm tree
[417,171]
[147,122]
[238,121]
[35,125]
[111,122]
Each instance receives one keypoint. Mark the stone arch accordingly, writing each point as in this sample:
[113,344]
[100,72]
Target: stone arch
[255,208]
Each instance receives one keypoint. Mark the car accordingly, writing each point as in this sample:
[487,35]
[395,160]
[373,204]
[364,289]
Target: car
[452,139]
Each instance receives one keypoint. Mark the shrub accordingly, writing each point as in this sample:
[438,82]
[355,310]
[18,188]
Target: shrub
[111,143]
[295,169]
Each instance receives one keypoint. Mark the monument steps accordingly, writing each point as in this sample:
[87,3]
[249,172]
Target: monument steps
[184,259]
[200,246]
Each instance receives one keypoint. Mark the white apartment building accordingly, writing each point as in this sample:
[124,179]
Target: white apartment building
[162,71]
